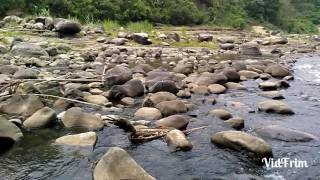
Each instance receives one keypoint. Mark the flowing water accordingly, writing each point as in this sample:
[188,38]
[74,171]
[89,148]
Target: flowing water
[37,158]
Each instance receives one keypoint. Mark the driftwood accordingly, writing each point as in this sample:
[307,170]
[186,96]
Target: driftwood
[148,134]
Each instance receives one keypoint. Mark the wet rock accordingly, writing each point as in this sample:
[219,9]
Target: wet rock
[275,106]
[67,27]
[174,121]
[157,98]
[227,46]
[184,94]
[148,113]
[21,105]
[41,119]
[177,141]
[217,88]
[183,68]
[235,86]
[251,48]
[168,108]
[127,101]
[206,79]
[236,123]
[201,90]
[272,95]
[277,70]
[268,86]
[76,117]
[232,75]
[142,68]
[96,99]
[118,75]
[117,164]
[284,134]
[132,88]
[83,139]
[28,50]
[221,114]
[9,134]
[205,37]
[243,141]
[249,74]
[141,38]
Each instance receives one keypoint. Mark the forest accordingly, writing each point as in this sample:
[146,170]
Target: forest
[293,16]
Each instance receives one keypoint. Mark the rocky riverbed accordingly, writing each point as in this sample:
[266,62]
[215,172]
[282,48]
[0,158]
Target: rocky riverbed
[78,103]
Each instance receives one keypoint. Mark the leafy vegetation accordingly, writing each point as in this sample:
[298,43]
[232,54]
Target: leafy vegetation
[294,16]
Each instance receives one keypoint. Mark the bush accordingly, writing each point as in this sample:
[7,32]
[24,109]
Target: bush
[299,26]
[142,26]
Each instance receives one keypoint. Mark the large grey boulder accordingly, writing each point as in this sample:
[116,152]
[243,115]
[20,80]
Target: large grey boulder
[40,119]
[9,134]
[251,48]
[117,164]
[28,50]
[284,134]
[132,88]
[76,117]
[26,74]
[67,27]
[243,141]
[141,38]
[277,70]
[21,105]
[117,75]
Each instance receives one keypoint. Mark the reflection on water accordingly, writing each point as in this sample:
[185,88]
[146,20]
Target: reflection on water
[36,158]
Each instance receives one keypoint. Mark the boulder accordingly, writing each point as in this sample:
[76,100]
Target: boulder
[232,75]
[26,74]
[177,141]
[164,85]
[251,49]
[243,141]
[8,69]
[41,119]
[201,90]
[83,139]
[26,49]
[157,98]
[272,94]
[268,86]
[21,105]
[174,121]
[12,19]
[217,88]
[67,27]
[96,99]
[279,40]
[132,88]
[185,68]
[275,106]
[168,108]
[236,123]
[249,74]
[76,117]
[117,164]
[148,113]
[9,134]
[205,37]
[3,49]
[277,70]
[221,114]
[118,75]
[227,46]
[235,86]
[284,134]
[141,38]
[206,79]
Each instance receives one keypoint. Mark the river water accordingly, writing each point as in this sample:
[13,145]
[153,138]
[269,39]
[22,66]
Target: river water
[37,158]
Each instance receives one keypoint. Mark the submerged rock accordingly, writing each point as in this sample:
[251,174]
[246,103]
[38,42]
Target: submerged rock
[83,139]
[243,141]
[76,117]
[236,123]
[177,141]
[117,164]
[284,134]
[221,114]
[275,106]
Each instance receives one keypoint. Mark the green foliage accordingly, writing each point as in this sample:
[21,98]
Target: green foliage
[142,26]
[291,15]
